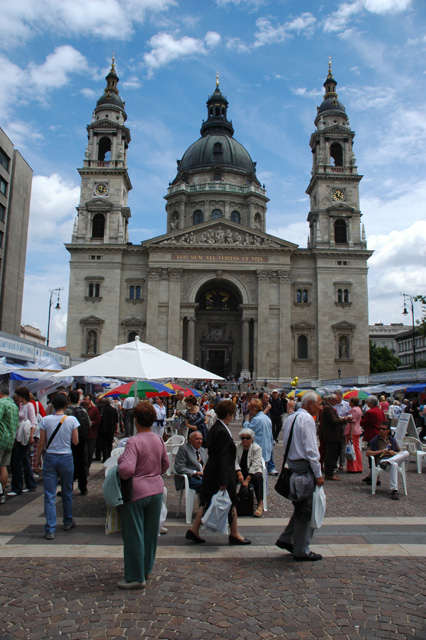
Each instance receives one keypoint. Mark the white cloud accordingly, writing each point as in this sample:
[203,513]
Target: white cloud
[101,18]
[131,83]
[212,38]
[166,48]
[307,93]
[88,93]
[237,45]
[52,212]
[19,85]
[267,33]
[54,72]
[339,19]
[249,3]
[398,265]
[23,134]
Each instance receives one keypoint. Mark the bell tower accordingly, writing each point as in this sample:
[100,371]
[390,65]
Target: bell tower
[103,213]
[334,217]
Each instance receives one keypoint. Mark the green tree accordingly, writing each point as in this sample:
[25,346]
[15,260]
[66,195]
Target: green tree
[422,322]
[382,360]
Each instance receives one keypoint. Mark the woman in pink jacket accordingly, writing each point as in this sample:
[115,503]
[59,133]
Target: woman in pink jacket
[353,431]
[144,460]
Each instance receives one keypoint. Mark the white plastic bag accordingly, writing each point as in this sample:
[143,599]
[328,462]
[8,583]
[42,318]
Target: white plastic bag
[318,507]
[350,451]
[216,516]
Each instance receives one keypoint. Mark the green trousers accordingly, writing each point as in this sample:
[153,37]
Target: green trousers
[139,526]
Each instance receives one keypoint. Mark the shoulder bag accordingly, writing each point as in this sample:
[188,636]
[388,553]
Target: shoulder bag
[24,430]
[49,442]
[283,483]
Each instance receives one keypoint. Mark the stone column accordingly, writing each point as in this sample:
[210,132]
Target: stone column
[152,306]
[245,347]
[173,331]
[263,324]
[255,334]
[191,340]
[285,324]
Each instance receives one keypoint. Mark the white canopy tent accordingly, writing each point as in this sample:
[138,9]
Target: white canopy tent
[138,361]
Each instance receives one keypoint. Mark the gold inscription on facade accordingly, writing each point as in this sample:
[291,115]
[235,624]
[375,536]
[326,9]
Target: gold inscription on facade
[189,257]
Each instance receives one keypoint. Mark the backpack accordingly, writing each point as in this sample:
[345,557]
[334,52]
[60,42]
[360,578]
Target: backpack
[84,420]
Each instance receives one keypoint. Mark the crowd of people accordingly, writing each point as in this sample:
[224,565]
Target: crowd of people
[76,428]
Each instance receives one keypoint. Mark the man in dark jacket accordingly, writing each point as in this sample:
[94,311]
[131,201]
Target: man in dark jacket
[276,415]
[108,427]
[95,417]
[331,430]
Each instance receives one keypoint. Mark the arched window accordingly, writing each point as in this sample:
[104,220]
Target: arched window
[98,225]
[217,176]
[216,213]
[132,335]
[339,295]
[94,290]
[235,217]
[305,295]
[299,295]
[302,348]
[104,153]
[340,236]
[336,153]
[346,295]
[198,217]
[132,292]
[138,292]
[91,289]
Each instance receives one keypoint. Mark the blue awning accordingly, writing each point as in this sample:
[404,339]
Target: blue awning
[417,388]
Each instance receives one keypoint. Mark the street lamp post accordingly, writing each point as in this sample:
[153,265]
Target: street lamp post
[53,293]
[339,373]
[405,313]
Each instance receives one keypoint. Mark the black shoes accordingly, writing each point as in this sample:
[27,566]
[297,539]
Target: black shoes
[394,495]
[285,545]
[237,541]
[193,538]
[308,557]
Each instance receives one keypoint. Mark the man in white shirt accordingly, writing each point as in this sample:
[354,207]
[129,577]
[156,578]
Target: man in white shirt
[303,458]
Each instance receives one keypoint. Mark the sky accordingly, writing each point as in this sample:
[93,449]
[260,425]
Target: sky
[272,59]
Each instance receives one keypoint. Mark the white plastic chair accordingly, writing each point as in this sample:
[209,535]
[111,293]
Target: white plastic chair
[117,452]
[265,486]
[419,459]
[376,470]
[189,498]
[413,445]
[172,447]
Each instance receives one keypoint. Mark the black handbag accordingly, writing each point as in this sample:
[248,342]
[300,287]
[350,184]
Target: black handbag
[283,483]
[245,504]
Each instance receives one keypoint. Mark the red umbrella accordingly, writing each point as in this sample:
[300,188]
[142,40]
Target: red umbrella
[145,389]
[186,391]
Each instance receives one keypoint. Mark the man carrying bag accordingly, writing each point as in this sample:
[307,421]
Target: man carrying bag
[301,459]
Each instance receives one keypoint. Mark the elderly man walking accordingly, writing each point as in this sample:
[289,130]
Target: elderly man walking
[303,458]
[9,423]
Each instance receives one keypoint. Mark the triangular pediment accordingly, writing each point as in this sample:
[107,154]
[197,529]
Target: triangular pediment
[340,207]
[91,320]
[219,232]
[302,326]
[99,204]
[344,326]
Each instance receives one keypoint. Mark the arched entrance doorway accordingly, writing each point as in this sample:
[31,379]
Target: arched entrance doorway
[218,328]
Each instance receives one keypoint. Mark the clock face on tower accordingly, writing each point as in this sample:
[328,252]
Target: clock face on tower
[338,195]
[101,189]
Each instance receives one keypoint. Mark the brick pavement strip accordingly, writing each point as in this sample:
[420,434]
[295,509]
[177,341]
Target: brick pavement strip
[229,598]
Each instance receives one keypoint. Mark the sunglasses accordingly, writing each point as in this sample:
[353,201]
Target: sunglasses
[245,437]
[383,428]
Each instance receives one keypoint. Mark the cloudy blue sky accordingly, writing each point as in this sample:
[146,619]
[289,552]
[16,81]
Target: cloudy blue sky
[272,57]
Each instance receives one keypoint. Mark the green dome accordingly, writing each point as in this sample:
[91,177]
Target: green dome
[216,150]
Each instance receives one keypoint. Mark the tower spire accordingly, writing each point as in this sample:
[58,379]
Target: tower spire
[330,84]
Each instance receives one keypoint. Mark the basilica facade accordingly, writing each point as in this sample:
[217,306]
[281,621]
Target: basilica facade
[216,289]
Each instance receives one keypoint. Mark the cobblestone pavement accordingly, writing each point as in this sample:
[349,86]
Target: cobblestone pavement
[370,583]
